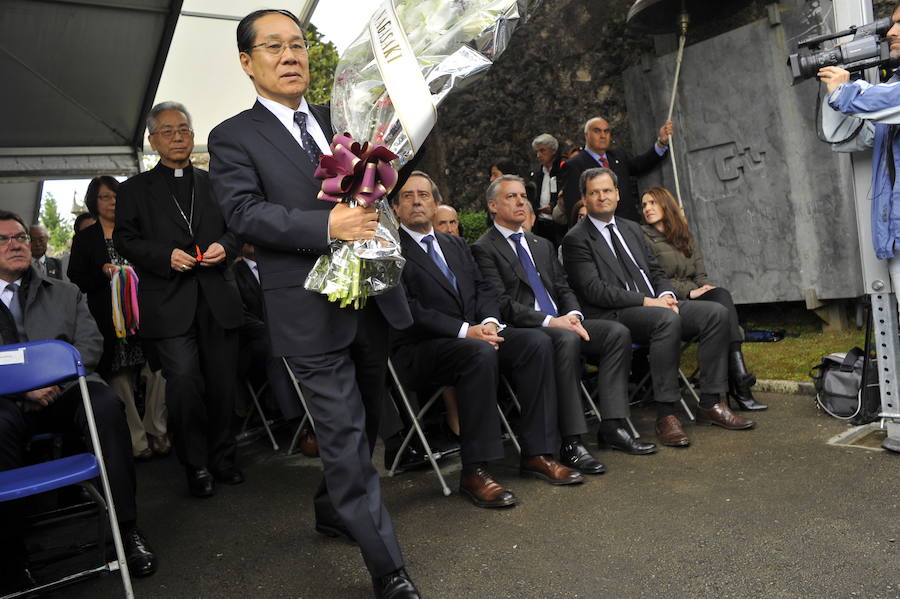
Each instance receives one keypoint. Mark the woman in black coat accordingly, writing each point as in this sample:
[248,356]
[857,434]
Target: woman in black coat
[93,262]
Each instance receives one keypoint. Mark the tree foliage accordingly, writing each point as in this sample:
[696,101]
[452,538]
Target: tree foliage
[323,59]
[59,227]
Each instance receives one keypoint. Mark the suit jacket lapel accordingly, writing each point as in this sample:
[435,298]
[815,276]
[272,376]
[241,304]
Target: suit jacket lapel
[163,200]
[603,251]
[413,251]
[274,132]
[541,265]
[454,261]
[502,246]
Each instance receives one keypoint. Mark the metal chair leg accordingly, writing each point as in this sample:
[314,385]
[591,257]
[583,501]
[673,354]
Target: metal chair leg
[690,389]
[262,416]
[414,418]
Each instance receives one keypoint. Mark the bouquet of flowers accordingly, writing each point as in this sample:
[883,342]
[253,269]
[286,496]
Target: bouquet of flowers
[361,176]
[387,87]
[389,82]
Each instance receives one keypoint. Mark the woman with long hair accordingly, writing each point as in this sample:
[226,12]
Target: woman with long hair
[671,241]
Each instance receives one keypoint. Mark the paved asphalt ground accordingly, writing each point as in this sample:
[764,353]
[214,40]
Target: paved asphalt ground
[774,512]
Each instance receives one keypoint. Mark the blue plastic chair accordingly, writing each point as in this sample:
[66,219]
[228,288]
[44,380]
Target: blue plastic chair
[28,366]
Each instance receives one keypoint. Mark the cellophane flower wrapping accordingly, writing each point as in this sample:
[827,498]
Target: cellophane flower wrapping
[357,270]
[454,41]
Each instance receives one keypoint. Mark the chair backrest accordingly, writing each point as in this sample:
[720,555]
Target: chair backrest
[27,366]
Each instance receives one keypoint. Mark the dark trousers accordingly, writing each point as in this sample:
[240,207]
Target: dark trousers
[610,349]
[66,415]
[525,357]
[200,368]
[256,364]
[664,330]
[343,393]
[723,296]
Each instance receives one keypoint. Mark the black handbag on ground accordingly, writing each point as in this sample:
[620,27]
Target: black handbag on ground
[840,392]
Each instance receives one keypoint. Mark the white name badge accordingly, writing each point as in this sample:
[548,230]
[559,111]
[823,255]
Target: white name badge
[15,356]
[552,184]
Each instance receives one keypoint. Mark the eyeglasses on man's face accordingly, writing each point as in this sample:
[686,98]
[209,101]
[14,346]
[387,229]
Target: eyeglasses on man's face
[276,47]
[169,132]
[6,240]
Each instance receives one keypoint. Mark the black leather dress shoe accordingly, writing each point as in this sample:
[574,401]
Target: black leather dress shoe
[413,458]
[621,439]
[396,585]
[200,482]
[138,554]
[229,476]
[576,456]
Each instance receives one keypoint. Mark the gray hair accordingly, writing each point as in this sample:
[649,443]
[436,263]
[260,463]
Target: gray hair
[591,174]
[162,107]
[588,123]
[545,139]
[491,193]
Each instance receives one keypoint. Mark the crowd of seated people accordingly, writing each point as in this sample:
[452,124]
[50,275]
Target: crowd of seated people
[563,277]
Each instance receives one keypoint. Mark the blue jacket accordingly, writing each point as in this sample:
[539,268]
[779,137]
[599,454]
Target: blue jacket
[863,114]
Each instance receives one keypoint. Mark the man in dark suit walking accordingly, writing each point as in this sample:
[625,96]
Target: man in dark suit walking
[262,163]
[169,227]
[597,153]
[456,340]
[534,293]
[615,276]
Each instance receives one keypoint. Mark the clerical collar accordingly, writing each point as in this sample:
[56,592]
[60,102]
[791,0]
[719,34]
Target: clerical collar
[176,173]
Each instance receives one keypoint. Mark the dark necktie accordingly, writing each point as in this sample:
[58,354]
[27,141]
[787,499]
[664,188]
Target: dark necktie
[629,268]
[439,262]
[310,147]
[534,278]
[12,326]
[604,161]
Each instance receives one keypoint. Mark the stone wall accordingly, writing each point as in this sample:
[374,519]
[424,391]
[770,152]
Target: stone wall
[563,67]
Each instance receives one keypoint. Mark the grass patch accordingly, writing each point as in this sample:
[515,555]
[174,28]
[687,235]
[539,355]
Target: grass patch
[791,358]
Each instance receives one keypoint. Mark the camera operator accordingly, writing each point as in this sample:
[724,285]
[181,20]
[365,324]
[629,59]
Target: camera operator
[857,115]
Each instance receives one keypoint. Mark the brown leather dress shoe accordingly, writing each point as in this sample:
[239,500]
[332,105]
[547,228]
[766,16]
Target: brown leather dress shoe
[548,469]
[161,446]
[721,415]
[309,444]
[669,432]
[484,491]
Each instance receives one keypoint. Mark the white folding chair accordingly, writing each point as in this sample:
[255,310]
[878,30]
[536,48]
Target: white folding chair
[645,382]
[28,366]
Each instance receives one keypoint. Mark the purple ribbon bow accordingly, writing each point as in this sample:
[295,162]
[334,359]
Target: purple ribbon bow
[356,172]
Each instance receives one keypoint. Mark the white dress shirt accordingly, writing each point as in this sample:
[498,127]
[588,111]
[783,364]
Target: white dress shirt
[417,237]
[548,186]
[286,116]
[7,294]
[604,231]
[253,267]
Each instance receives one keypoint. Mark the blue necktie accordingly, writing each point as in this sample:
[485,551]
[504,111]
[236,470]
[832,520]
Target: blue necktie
[439,262]
[310,147]
[534,279]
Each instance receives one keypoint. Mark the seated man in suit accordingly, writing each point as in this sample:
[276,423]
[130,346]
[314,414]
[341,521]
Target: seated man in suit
[534,293]
[615,276]
[456,339]
[34,307]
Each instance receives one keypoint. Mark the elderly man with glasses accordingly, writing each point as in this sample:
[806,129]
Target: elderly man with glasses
[170,228]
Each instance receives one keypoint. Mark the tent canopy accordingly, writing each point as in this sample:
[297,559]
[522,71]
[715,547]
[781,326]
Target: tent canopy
[79,75]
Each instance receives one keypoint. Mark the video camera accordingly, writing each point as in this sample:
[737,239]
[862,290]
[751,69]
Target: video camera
[868,48]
